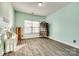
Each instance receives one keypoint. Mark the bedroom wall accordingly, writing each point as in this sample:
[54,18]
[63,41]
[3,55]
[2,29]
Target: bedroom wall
[7,11]
[0,9]
[20,17]
[64,25]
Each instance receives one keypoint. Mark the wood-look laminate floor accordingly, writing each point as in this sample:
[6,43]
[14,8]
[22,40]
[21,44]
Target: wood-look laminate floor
[43,47]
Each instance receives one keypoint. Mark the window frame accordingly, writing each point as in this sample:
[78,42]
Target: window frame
[32,27]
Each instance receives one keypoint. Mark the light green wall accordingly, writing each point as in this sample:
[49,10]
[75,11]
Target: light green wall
[64,25]
[0,9]
[20,17]
[7,11]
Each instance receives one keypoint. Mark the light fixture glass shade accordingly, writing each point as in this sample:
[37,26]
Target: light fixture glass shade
[40,4]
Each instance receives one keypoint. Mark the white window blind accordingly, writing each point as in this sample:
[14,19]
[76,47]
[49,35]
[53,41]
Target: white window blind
[31,26]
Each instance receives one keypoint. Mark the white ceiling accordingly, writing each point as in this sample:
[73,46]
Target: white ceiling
[32,7]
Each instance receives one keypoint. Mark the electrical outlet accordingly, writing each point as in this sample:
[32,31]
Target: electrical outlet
[74,41]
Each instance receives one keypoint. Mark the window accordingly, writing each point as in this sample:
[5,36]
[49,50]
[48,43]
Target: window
[31,26]
[36,27]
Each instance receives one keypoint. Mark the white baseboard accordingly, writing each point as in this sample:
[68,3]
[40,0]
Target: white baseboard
[30,35]
[75,46]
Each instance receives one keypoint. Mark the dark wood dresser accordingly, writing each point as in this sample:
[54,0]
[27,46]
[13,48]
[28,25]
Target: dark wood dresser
[44,29]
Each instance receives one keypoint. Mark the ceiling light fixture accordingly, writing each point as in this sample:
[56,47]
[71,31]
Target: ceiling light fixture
[41,4]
